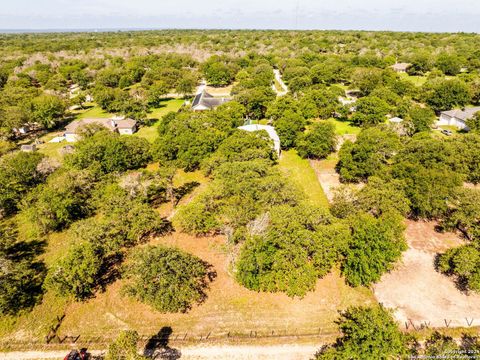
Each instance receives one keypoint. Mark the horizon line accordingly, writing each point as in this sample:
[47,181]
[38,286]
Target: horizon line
[138,29]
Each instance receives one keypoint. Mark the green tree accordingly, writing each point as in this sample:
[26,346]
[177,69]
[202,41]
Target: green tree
[366,80]
[443,94]
[157,92]
[18,173]
[125,347]
[48,110]
[422,118]
[370,110]
[62,200]
[21,274]
[463,263]
[297,248]
[318,142]
[168,279]
[450,64]
[376,244]
[474,123]
[76,274]
[289,127]
[369,155]
[110,152]
[381,197]
[367,333]
[464,213]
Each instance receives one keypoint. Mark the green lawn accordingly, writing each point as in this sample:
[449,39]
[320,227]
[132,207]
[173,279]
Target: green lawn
[416,80]
[344,127]
[94,111]
[302,174]
[150,132]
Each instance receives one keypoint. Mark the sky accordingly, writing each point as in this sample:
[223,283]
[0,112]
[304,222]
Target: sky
[398,15]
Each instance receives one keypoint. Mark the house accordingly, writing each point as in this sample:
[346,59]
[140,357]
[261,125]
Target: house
[121,125]
[272,134]
[205,101]
[395,120]
[126,126]
[457,117]
[28,148]
[400,67]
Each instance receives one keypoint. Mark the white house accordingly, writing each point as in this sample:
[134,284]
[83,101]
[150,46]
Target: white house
[395,120]
[457,117]
[120,125]
[272,134]
[400,67]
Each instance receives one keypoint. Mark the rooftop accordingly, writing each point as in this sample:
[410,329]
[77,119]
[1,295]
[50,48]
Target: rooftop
[464,114]
[207,100]
[110,124]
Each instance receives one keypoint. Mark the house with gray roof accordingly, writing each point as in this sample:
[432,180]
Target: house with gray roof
[457,117]
[204,101]
[121,125]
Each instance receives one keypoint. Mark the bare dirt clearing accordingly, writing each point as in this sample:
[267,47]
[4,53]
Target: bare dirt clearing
[421,294]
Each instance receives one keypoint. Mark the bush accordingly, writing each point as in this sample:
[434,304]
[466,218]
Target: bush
[168,279]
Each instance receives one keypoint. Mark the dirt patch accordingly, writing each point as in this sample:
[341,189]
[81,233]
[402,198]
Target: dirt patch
[420,294]
[328,176]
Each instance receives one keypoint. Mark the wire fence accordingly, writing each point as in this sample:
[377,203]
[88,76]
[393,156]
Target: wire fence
[58,341]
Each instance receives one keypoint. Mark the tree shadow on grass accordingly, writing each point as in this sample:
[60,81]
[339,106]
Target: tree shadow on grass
[157,346]
[22,288]
[184,190]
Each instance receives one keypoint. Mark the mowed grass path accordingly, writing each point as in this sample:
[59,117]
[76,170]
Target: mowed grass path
[300,172]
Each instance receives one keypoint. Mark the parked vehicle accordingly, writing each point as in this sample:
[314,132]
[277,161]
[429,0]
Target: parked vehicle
[77,355]
[447,132]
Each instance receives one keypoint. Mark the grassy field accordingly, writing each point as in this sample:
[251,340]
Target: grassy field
[302,174]
[344,127]
[150,132]
[416,80]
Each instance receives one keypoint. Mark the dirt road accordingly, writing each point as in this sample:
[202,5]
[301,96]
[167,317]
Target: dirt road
[219,352]
[278,77]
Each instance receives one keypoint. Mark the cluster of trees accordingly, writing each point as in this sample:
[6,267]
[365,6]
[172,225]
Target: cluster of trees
[423,176]
[187,138]
[372,333]
[463,262]
[39,91]
[99,242]
[430,169]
